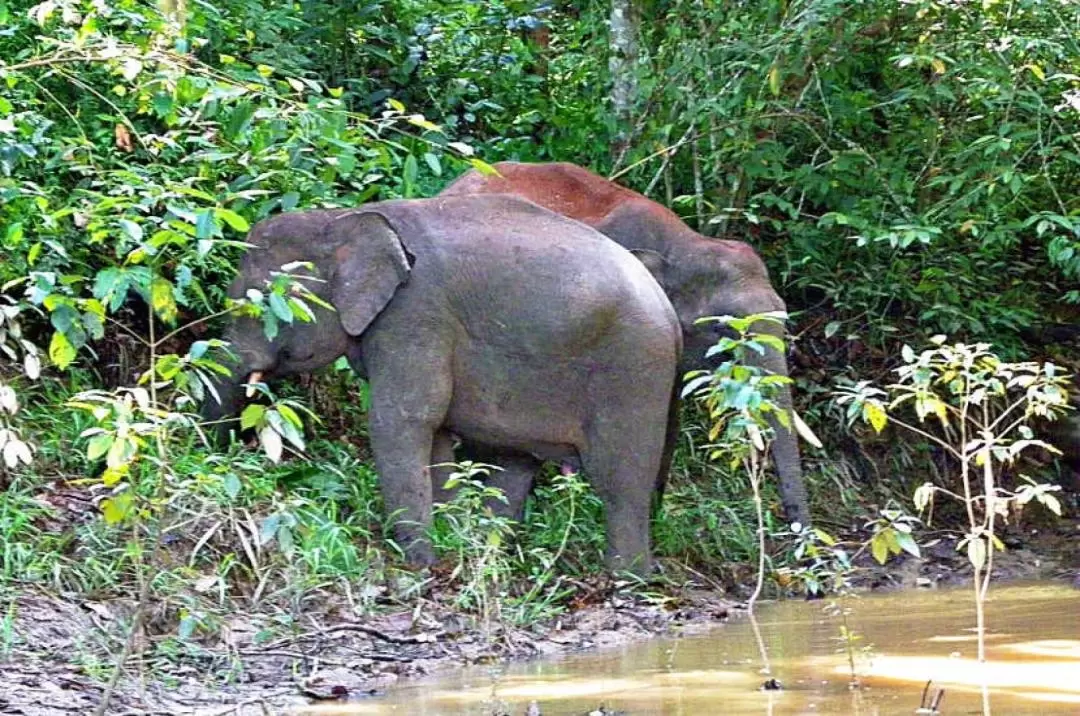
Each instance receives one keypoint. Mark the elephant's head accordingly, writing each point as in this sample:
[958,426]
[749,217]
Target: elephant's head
[356,262]
[714,277]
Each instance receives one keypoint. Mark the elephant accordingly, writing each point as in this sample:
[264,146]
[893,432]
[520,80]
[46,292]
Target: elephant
[487,318]
[701,276]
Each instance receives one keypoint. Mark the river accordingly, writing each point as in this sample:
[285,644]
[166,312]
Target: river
[901,640]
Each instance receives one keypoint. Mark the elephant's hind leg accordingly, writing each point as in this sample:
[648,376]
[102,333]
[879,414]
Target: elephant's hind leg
[623,461]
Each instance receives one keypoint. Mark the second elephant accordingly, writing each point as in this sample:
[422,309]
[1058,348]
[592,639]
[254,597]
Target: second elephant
[701,276]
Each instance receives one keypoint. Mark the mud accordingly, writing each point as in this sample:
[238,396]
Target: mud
[61,650]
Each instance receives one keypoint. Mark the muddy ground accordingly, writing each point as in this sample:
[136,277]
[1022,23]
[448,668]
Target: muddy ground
[53,666]
[56,649]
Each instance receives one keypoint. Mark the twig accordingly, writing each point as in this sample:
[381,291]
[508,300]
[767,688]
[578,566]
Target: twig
[379,634]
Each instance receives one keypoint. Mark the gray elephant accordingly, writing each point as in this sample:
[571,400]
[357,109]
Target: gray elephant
[701,276]
[524,333]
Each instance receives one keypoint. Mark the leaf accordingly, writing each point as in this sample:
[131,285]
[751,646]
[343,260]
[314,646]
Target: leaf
[875,415]
[937,66]
[280,308]
[433,163]
[113,475]
[1037,71]
[271,443]
[61,352]
[162,299]
[831,328]
[1050,502]
[290,415]
[252,416]
[418,120]
[116,509]
[412,169]
[232,485]
[907,543]
[98,446]
[234,220]
[976,552]
[879,547]
[205,226]
[805,432]
[923,494]
[131,69]
[774,80]
[32,366]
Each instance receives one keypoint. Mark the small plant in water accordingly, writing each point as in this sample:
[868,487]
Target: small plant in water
[740,399]
[976,408]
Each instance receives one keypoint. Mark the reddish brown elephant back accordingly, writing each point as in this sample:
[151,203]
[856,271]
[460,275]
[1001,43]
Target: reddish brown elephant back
[564,188]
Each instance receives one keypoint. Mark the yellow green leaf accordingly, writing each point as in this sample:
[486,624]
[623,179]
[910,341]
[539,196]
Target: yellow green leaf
[875,415]
[113,475]
[774,80]
[1037,71]
[397,106]
[879,548]
[938,66]
[116,509]
[61,352]
[483,167]
[161,298]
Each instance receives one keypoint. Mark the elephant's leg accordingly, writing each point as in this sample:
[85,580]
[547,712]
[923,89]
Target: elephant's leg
[515,480]
[403,430]
[624,473]
[442,453]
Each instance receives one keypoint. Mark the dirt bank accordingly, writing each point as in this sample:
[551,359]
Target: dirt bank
[61,649]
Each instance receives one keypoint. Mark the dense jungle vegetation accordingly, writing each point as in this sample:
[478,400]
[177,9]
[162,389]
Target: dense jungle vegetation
[906,168]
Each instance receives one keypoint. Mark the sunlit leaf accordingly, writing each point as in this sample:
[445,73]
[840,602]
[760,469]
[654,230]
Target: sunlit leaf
[61,352]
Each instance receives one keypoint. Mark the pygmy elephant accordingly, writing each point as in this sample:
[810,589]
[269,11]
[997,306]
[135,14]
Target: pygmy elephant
[701,276]
[485,317]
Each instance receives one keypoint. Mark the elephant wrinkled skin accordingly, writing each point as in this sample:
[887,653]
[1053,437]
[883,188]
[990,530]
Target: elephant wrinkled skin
[701,276]
[526,334]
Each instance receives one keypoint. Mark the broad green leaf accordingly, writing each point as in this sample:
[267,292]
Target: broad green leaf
[98,446]
[433,162]
[205,226]
[774,80]
[280,307]
[234,220]
[117,509]
[252,416]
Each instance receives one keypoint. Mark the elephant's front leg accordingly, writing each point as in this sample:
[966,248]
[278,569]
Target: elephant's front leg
[403,451]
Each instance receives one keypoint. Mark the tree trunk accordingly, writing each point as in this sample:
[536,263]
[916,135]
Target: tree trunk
[622,58]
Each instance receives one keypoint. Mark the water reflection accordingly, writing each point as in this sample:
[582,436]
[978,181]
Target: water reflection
[1034,652]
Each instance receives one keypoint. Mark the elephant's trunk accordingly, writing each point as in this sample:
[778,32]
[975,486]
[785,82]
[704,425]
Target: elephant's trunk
[785,446]
[216,416]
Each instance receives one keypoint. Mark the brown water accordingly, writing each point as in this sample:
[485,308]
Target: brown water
[1033,653]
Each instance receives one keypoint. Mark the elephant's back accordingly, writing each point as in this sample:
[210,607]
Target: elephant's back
[513,267]
[564,188]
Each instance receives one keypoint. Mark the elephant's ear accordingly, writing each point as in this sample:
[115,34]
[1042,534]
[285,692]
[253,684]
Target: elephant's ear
[370,263]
